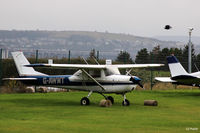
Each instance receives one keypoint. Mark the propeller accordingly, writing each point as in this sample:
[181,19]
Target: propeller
[136,80]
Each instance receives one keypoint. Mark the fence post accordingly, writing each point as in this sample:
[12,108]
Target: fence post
[151,72]
[36,57]
[36,61]
[97,55]
[69,56]
[1,66]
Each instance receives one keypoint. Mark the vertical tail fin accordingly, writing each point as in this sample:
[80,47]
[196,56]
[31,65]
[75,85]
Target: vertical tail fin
[20,60]
[175,67]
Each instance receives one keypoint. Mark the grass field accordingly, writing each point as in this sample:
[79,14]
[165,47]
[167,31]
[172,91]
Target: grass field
[178,111]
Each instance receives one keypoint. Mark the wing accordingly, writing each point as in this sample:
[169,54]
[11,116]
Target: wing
[165,79]
[138,65]
[83,66]
[75,66]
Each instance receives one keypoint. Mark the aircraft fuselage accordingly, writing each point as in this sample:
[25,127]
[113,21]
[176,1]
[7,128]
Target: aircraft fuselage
[112,83]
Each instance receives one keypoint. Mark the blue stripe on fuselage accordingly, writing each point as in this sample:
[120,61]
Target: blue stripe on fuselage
[48,80]
[64,80]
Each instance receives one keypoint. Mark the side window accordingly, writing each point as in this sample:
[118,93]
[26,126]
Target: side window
[95,73]
[107,72]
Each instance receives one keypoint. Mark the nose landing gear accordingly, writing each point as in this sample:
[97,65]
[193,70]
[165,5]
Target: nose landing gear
[125,102]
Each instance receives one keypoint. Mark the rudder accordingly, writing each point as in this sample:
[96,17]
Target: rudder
[20,60]
[175,67]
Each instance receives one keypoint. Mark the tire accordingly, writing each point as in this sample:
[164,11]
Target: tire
[126,103]
[85,101]
[111,99]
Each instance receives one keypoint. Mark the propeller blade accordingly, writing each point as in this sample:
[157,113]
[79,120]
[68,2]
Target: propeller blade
[141,85]
[137,80]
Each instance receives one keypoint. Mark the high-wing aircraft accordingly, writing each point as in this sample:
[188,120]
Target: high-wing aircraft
[178,74]
[93,78]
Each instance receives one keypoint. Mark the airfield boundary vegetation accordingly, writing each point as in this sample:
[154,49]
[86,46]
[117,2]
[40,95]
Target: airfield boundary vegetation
[157,55]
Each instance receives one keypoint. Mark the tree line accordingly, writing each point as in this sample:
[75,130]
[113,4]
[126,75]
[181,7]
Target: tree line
[156,55]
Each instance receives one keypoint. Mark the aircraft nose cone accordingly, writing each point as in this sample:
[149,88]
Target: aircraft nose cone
[136,78]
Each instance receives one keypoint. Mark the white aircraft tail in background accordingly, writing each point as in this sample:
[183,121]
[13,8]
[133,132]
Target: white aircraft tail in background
[178,74]
[175,67]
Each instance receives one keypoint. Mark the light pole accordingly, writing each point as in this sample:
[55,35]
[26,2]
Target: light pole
[190,51]
[1,66]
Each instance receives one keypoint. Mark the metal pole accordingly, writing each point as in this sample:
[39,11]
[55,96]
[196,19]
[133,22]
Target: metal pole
[69,55]
[36,57]
[1,66]
[97,55]
[36,61]
[151,72]
[190,51]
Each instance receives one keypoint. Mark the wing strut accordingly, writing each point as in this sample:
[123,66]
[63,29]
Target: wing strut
[93,79]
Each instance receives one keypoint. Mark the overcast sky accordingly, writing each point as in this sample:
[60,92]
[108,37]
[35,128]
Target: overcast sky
[137,17]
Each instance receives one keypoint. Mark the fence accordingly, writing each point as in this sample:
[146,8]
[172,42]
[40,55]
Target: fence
[38,54]
[1,66]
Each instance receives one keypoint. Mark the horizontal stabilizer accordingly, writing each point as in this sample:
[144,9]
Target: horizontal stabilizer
[165,79]
[20,79]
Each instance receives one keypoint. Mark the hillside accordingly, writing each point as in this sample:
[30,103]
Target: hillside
[58,43]
[195,39]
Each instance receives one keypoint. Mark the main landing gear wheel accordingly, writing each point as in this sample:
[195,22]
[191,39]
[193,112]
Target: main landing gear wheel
[111,99]
[126,102]
[85,101]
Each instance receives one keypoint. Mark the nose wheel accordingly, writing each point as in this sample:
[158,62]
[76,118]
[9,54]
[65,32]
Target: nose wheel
[125,102]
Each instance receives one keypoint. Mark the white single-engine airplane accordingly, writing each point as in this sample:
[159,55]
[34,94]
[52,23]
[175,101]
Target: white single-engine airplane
[178,74]
[93,78]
